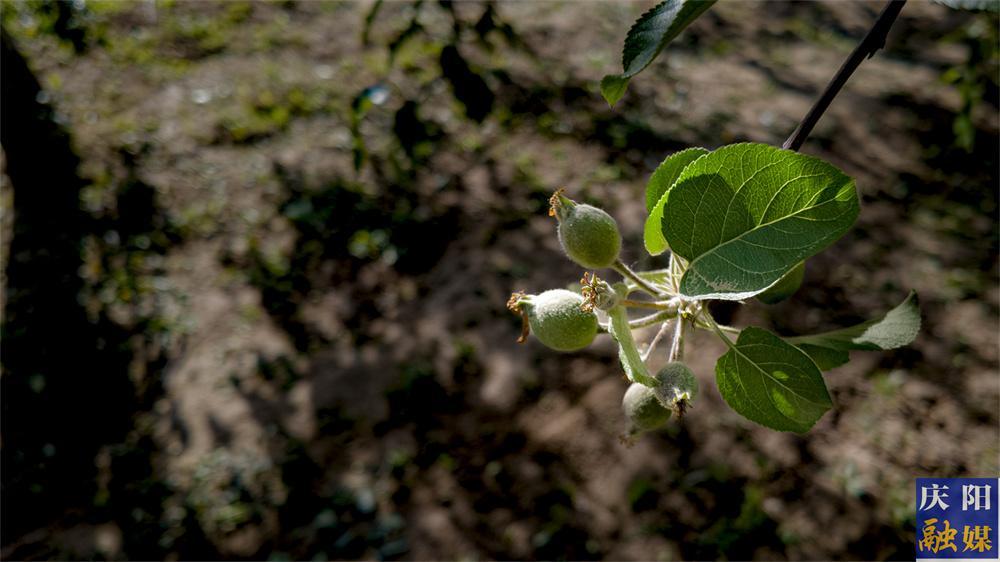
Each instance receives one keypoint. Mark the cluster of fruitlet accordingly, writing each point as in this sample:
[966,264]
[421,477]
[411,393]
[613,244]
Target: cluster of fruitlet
[739,223]
[568,321]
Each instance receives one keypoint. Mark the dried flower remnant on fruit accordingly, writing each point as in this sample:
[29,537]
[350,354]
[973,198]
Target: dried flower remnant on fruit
[597,293]
[514,305]
[554,201]
[514,302]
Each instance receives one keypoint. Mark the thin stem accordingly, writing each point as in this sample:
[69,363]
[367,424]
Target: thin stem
[707,326]
[656,340]
[651,319]
[647,304]
[718,330]
[872,42]
[654,273]
[664,291]
[677,347]
[627,272]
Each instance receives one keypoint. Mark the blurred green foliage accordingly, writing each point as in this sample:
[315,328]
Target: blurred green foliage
[976,77]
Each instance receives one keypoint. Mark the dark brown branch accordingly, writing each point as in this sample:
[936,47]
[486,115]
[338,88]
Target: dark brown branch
[873,41]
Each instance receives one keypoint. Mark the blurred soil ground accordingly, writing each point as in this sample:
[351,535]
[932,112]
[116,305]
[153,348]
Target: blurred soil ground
[292,336]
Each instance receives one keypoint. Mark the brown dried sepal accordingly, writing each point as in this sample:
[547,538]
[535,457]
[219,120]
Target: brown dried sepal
[681,406]
[589,291]
[554,202]
[514,305]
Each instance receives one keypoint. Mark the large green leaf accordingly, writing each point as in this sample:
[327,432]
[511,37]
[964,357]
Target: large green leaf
[895,328]
[647,37]
[667,173]
[745,214]
[824,357]
[660,182]
[772,382]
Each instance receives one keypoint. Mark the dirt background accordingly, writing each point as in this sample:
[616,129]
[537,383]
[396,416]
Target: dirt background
[257,256]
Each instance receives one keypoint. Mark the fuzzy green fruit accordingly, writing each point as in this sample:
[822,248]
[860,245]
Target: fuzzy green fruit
[558,320]
[642,409]
[785,287]
[676,386]
[588,235]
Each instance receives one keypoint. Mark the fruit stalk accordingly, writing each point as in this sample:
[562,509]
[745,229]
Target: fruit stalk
[627,272]
[656,340]
[664,306]
[635,369]
[651,319]
[677,346]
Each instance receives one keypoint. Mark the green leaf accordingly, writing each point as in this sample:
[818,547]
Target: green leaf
[787,286]
[656,275]
[745,214]
[824,357]
[772,382]
[657,27]
[659,184]
[895,328]
[613,88]
[667,173]
[647,37]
